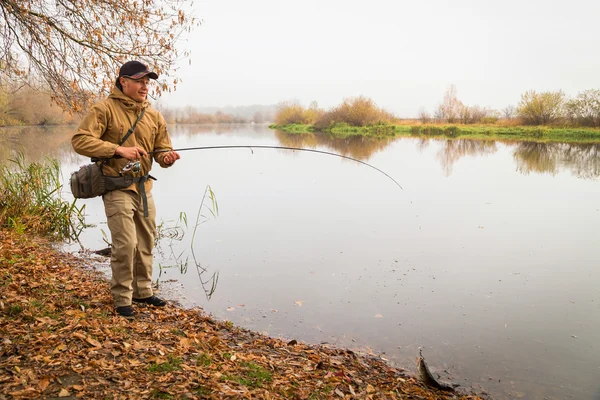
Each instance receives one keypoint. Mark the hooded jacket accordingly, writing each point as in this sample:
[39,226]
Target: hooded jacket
[107,123]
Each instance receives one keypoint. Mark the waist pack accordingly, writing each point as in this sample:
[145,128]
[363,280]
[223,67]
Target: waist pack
[90,182]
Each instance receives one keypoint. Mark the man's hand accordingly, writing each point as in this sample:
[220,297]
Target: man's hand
[130,153]
[171,157]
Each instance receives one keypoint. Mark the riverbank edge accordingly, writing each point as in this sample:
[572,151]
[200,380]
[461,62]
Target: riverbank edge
[62,339]
[539,134]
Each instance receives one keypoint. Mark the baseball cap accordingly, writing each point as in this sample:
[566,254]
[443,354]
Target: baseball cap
[136,70]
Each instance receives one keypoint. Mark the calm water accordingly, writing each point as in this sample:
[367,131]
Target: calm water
[488,258]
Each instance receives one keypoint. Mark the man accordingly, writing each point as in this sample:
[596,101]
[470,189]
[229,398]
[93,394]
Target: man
[130,212]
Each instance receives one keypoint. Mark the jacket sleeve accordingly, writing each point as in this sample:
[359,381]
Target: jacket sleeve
[162,142]
[86,141]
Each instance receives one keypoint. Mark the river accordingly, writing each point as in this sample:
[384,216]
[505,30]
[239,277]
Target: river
[488,257]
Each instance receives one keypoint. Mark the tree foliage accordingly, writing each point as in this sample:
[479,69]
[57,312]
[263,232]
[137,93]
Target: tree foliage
[291,112]
[74,47]
[541,108]
[355,111]
[585,108]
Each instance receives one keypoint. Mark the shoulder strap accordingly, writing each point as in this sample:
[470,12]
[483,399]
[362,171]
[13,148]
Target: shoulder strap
[130,131]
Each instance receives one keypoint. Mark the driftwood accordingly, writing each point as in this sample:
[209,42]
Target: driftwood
[103,252]
[427,378]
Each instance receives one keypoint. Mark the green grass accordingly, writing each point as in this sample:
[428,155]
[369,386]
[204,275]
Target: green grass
[293,128]
[157,394]
[342,130]
[172,364]
[203,360]
[321,393]
[202,391]
[14,310]
[178,332]
[252,376]
[536,133]
[30,200]
[523,133]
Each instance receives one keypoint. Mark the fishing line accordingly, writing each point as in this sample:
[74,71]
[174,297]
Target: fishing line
[277,147]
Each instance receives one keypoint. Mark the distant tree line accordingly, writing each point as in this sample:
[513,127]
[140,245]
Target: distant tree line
[194,115]
[534,108]
[27,106]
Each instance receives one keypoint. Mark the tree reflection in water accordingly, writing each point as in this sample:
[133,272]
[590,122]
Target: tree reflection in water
[582,159]
[454,149]
[359,147]
[36,142]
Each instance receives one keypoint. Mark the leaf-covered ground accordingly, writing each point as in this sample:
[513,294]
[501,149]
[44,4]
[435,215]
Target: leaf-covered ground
[60,338]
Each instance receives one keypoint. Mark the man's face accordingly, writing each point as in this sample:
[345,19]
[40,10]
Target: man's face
[137,89]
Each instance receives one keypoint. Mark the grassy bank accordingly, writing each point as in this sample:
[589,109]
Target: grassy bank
[61,338]
[525,133]
[30,200]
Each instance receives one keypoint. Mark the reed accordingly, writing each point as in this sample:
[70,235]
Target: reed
[31,202]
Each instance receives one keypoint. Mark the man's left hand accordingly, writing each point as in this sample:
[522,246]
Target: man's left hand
[171,157]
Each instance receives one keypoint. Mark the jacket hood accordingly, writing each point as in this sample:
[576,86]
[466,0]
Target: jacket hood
[117,94]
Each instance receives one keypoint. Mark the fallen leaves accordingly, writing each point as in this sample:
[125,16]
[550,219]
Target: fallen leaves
[62,339]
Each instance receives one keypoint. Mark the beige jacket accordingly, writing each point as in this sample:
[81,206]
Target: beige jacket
[107,123]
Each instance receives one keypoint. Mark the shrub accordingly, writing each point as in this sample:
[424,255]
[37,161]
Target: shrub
[584,110]
[541,108]
[294,113]
[356,111]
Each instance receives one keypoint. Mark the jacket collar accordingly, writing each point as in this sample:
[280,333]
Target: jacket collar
[128,102]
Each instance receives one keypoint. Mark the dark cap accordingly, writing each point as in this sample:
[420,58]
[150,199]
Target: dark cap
[136,70]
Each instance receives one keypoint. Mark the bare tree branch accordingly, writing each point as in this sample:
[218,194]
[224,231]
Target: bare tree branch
[74,47]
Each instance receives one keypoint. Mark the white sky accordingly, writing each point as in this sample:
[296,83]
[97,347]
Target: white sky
[402,54]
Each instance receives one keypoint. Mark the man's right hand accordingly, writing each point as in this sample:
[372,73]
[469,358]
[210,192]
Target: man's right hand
[130,153]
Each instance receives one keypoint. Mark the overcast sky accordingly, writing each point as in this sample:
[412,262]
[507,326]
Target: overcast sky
[402,54]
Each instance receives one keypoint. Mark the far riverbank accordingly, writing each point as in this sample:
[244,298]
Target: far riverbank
[488,132]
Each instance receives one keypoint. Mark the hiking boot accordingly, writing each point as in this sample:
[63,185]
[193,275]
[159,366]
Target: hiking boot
[126,311]
[152,300]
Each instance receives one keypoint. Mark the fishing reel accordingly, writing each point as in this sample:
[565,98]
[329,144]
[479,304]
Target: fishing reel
[133,166]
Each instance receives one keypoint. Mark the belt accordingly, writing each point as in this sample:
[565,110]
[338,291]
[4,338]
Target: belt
[140,180]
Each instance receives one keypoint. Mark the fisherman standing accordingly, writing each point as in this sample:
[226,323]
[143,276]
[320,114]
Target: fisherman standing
[130,212]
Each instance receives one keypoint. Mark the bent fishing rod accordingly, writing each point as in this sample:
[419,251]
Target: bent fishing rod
[276,147]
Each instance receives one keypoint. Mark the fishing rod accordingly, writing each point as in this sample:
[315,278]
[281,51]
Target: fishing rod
[276,147]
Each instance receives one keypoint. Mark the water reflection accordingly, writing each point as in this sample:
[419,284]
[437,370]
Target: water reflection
[36,142]
[359,147]
[185,131]
[583,160]
[454,150]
